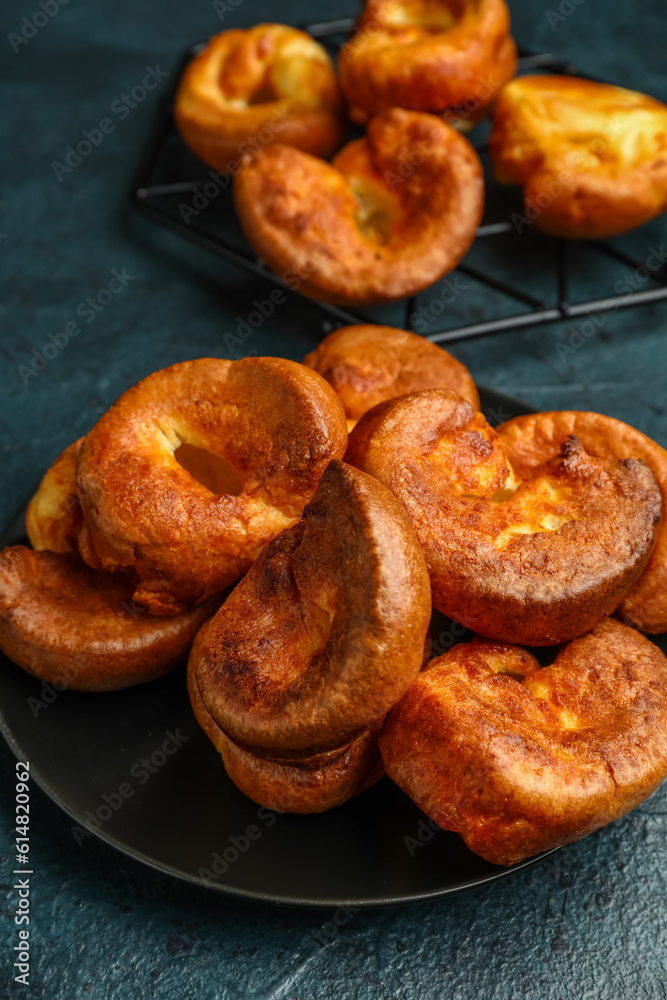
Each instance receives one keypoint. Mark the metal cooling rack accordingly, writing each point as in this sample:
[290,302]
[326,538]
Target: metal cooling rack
[168,171]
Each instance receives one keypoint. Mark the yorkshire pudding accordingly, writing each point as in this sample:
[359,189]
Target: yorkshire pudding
[448,56]
[274,422]
[532,440]
[80,628]
[519,758]
[300,786]
[393,213]
[320,638]
[248,89]
[537,561]
[53,518]
[592,158]
[367,364]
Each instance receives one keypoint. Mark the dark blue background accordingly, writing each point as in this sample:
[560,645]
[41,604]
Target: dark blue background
[590,921]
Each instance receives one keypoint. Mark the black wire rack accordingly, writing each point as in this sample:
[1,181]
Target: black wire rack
[168,172]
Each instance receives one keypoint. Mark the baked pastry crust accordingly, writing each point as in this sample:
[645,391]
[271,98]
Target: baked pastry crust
[531,440]
[367,364]
[53,518]
[71,625]
[300,786]
[249,88]
[592,158]
[320,638]
[276,423]
[393,213]
[448,56]
[519,758]
[538,561]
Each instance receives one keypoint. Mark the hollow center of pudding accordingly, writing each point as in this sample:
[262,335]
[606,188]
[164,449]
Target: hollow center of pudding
[543,691]
[474,463]
[506,671]
[212,471]
[377,210]
[613,127]
[524,668]
[630,137]
[538,507]
[260,90]
[431,16]
[514,663]
[265,92]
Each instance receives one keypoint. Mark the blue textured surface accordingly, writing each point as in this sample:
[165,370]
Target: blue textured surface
[590,921]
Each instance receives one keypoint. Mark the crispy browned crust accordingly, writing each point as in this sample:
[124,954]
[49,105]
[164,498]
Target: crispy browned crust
[520,759]
[305,789]
[53,518]
[300,787]
[543,566]
[394,212]
[276,422]
[319,639]
[367,364]
[80,628]
[399,58]
[592,158]
[249,88]
[531,440]
[327,629]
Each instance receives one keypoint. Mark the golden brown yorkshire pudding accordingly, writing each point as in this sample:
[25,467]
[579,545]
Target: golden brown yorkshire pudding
[393,213]
[448,56]
[80,628]
[53,518]
[532,440]
[249,88]
[537,561]
[308,786]
[274,422]
[592,158]
[519,758]
[367,364]
[320,638]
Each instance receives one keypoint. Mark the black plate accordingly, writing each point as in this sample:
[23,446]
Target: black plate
[377,849]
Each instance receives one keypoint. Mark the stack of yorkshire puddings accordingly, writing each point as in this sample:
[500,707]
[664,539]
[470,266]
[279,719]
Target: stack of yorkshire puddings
[397,209]
[314,676]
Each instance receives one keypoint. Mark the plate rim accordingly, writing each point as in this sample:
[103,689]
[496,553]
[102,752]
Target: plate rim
[252,895]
